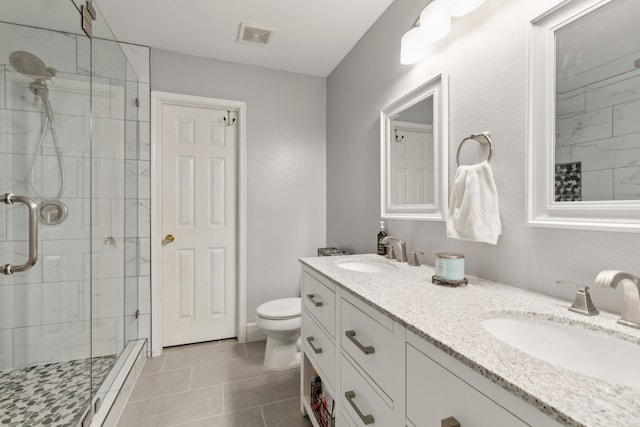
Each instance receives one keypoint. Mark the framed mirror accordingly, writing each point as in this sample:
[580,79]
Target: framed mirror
[414,146]
[584,116]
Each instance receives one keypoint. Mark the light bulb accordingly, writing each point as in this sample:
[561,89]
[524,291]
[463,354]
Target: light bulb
[464,7]
[412,46]
[435,20]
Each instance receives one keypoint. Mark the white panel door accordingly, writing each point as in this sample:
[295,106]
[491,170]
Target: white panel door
[199,204]
[412,164]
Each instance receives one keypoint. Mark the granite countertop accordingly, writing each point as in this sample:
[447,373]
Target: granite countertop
[450,318]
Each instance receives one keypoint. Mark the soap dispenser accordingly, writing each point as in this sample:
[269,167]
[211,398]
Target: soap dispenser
[382,249]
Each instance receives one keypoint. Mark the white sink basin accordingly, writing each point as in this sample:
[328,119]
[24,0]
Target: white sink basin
[367,265]
[572,347]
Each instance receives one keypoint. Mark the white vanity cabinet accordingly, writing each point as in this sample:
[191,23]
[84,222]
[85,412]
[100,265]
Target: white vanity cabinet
[371,364]
[381,374]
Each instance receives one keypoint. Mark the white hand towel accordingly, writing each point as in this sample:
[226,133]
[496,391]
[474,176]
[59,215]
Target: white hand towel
[473,210]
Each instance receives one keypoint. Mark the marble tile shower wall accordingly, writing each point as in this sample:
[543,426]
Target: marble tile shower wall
[45,312]
[598,124]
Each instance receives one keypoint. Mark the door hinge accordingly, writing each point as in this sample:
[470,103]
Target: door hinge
[137,102]
[137,313]
[88,15]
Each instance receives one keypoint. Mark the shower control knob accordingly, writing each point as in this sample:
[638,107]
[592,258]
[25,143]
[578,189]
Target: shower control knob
[169,238]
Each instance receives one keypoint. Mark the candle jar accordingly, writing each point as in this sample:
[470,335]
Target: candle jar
[449,266]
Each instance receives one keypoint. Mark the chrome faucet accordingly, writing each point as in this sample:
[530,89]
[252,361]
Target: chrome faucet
[630,315]
[401,244]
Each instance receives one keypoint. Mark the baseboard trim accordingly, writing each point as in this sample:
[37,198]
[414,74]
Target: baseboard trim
[254,333]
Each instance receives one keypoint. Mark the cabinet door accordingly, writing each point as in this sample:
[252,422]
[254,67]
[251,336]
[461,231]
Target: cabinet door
[319,300]
[319,348]
[434,394]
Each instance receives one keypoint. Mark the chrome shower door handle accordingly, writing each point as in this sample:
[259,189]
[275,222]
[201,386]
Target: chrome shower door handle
[10,199]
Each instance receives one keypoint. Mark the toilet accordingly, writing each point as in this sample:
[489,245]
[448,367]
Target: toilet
[280,321]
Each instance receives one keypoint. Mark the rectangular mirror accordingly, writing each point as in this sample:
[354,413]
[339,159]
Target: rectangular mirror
[414,147]
[584,133]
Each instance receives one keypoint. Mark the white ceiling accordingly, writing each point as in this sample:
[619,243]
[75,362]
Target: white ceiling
[311,36]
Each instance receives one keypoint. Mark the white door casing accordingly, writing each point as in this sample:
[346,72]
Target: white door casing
[200,283]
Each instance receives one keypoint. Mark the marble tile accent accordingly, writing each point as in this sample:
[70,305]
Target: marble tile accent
[104,296]
[585,127]
[144,179]
[144,141]
[16,253]
[74,135]
[568,397]
[2,103]
[144,294]
[36,345]
[144,217]
[145,257]
[603,94]
[144,327]
[37,304]
[131,136]
[107,259]
[6,349]
[131,110]
[108,138]
[626,183]
[56,49]
[19,130]
[144,94]
[47,178]
[597,185]
[138,56]
[131,179]
[108,178]
[570,103]
[618,152]
[132,260]
[626,118]
[65,260]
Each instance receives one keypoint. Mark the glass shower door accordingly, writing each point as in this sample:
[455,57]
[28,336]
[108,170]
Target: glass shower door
[45,140]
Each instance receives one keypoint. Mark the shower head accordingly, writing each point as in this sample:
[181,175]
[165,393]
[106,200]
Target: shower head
[30,65]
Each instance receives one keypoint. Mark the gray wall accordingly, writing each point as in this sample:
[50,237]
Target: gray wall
[286,209]
[485,58]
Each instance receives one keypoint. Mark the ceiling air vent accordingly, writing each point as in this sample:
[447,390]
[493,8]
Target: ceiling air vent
[255,35]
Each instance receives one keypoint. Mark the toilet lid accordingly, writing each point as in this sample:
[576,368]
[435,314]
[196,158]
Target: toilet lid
[285,308]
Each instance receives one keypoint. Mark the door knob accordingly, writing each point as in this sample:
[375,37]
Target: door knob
[169,238]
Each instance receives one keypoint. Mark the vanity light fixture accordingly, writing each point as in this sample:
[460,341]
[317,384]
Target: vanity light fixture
[433,24]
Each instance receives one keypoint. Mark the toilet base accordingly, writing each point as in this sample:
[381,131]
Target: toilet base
[280,355]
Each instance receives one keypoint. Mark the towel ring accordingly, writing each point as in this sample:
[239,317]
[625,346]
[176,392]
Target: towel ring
[487,140]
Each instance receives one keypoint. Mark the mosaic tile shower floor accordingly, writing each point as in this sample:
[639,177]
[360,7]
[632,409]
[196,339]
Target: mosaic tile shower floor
[49,395]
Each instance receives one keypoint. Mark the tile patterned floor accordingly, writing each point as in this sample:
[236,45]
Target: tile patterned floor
[215,384]
[55,394]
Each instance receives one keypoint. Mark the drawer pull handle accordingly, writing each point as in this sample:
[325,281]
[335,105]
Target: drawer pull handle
[313,299]
[315,350]
[449,422]
[366,419]
[365,349]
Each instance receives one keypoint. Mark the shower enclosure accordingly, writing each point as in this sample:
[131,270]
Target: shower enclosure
[68,285]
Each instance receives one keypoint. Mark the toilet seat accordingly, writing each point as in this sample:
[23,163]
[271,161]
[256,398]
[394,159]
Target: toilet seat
[280,309]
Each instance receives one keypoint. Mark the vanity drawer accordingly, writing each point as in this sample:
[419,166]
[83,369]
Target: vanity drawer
[359,401]
[319,300]
[434,394]
[370,344]
[319,347]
